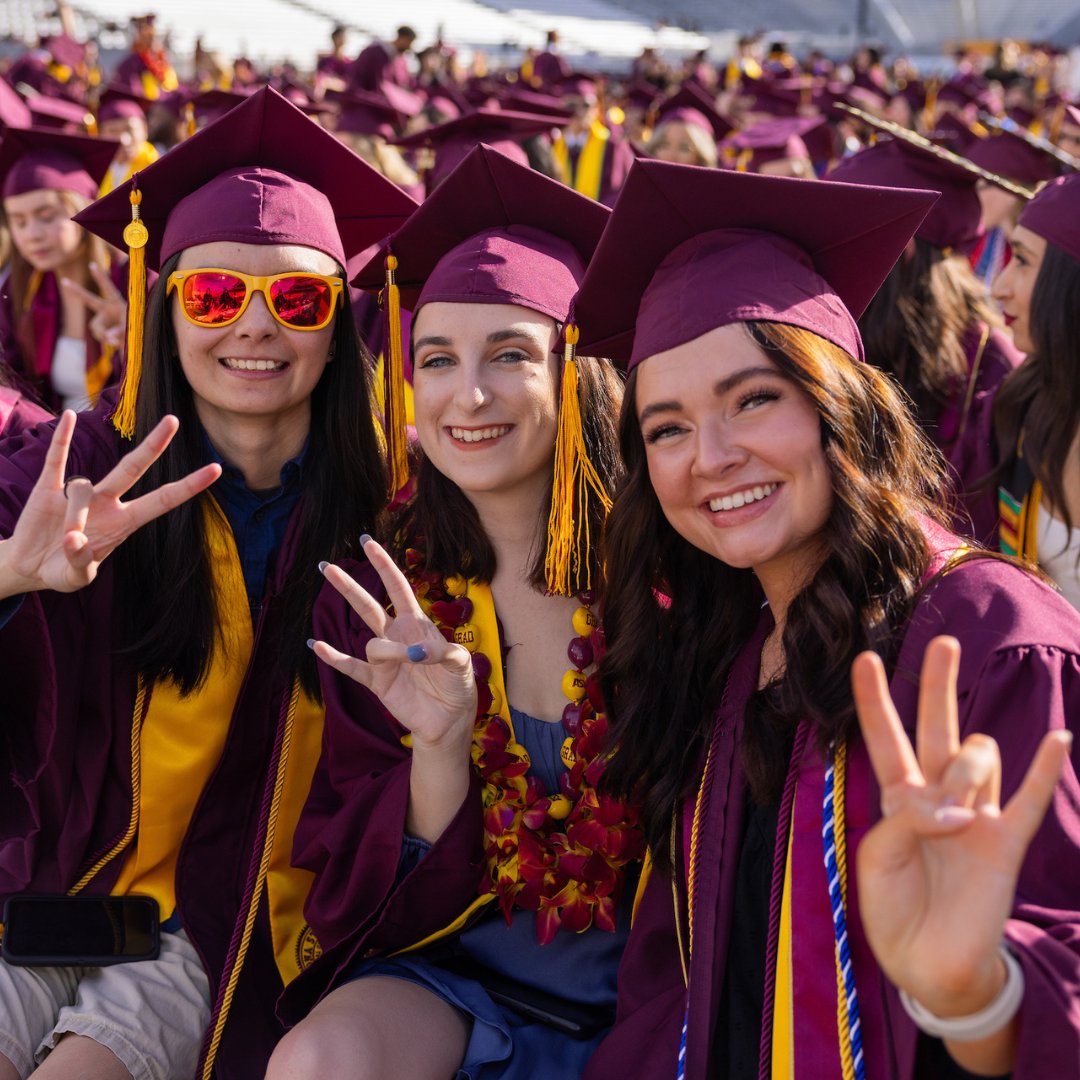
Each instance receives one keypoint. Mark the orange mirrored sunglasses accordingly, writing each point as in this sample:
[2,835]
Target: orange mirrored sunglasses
[212,297]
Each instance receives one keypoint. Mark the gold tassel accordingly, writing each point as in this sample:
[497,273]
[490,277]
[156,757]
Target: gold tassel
[135,236]
[575,480]
[397,458]
[189,119]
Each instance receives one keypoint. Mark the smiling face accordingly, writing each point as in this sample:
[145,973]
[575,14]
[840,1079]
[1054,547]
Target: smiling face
[42,230]
[735,456]
[485,386]
[1015,284]
[254,367]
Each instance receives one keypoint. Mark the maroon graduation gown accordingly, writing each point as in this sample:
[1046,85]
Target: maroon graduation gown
[68,710]
[1019,677]
[351,830]
[966,439]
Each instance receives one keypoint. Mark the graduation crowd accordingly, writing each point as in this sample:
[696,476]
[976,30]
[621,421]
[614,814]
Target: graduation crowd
[540,573]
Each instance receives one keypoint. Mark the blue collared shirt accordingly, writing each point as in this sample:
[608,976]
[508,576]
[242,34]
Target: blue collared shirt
[258,519]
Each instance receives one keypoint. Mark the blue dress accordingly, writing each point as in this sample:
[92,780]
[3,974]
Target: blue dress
[579,968]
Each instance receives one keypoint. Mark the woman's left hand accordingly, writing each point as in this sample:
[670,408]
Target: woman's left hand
[107,310]
[937,875]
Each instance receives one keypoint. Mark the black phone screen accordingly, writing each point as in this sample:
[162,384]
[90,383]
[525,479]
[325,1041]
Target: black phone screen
[92,930]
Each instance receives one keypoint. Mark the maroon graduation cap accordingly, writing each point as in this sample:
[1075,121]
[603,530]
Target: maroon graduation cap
[1012,155]
[262,174]
[32,159]
[499,128]
[14,112]
[690,104]
[363,112]
[494,231]
[118,103]
[59,114]
[1054,214]
[689,249]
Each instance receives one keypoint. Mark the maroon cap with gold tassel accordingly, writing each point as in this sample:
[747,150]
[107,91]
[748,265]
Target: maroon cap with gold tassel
[496,232]
[262,174]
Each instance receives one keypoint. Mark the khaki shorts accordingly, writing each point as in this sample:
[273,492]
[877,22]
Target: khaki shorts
[151,1014]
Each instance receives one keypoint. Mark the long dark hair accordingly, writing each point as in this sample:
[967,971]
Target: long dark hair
[1041,398]
[667,662]
[171,626]
[916,326]
[454,539]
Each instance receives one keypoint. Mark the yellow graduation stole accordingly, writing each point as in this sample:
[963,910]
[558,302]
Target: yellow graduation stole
[146,156]
[180,744]
[590,165]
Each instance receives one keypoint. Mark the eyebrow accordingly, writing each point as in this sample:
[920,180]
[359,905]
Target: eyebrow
[724,386]
[493,338]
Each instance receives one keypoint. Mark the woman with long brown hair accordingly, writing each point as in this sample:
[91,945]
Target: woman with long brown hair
[472,890]
[61,314]
[861,888]
[1037,410]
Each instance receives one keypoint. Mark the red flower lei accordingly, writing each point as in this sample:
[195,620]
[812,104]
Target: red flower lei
[563,856]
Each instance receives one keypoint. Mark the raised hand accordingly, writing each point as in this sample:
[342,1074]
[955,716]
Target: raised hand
[938,873]
[424,681]
[107,309]
[65,530]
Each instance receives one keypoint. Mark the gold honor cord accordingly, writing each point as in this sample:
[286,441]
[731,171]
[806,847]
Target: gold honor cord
[907,135]
[1037,141]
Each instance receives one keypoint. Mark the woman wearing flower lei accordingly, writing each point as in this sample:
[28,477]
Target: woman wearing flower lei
[472,888]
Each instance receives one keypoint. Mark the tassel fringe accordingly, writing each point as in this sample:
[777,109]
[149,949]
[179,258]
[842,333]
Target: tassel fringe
[575,483]
[135,236]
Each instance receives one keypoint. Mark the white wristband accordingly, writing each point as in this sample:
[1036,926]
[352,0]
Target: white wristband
[980,1025]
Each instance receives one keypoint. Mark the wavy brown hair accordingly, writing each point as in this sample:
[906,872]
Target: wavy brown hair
[454,539]
[667,662]
[1041,398]
[917,326]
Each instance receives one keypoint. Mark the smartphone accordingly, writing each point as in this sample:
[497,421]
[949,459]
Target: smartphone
[566,1017]
[91,931]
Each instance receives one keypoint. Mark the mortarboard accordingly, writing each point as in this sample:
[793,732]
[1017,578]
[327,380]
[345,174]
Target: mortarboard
[909,160]
[211,105]
[65,50]
[262,174]
[451,142]
[770,140]
[518,99]
[35,158]
[14,112]
[692,105]
[60,114]
[117,102]
[407,102]
[955,221]
[1009,154]
[497,232]
[362,112]
[689,249]
[1054,213]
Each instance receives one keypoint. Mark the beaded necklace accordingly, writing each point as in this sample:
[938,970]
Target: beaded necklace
[562,856]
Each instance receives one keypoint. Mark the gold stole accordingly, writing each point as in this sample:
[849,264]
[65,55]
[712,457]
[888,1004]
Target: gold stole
[590,166]
[182,740]
[147,155]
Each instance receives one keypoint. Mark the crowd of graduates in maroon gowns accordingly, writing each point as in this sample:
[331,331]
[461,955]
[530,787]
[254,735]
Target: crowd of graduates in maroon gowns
[954,473]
